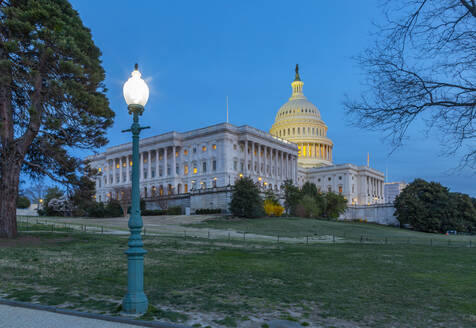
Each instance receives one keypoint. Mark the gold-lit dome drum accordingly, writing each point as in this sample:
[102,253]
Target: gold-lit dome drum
[299,121]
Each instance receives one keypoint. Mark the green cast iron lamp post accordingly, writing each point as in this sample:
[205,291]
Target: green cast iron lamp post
[136,94]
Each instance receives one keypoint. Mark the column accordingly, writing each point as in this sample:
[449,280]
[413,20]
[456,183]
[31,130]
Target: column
[281,165]
[265,161]
[174,161]
[157,165]
[121,180]
[149,166]
[259,159]
[246,158]
[276,165]
[253,157]
[141,174]
[287,165]
[165,162]
[128,162]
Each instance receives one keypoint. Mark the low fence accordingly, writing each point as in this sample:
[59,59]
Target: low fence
[316,237]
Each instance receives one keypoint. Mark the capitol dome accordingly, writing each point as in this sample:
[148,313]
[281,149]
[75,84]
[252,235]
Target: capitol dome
[299,121]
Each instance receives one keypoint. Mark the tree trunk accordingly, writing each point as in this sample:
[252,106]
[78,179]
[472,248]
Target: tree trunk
[9,180]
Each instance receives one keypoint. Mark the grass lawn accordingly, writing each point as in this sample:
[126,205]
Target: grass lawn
[351,231]
[244,284]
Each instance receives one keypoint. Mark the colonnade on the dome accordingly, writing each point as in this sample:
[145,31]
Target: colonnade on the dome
[315,150]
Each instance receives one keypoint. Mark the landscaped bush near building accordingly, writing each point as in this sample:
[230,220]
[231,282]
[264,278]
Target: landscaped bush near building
[431,207]
[309,202]
[174,210]
[271,204]
[246,200]
[153,212]
[23,202]
[208,211]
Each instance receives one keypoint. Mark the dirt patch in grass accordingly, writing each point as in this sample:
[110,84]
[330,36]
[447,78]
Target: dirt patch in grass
[28,240]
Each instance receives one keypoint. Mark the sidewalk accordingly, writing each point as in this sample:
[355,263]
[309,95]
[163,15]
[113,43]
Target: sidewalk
[25,315]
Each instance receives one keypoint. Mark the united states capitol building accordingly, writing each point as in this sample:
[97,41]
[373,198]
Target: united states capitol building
[198,168]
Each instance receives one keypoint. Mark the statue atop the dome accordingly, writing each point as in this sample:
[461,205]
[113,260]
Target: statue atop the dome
[297,78]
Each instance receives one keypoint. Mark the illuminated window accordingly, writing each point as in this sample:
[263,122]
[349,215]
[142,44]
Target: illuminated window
[185,188]
[185,151]
[176,153]
[214,147]
[204,148]
[195,170]
[145,160]
[117,166]
[99,169]
[340,189]
[124,164]
[185,169]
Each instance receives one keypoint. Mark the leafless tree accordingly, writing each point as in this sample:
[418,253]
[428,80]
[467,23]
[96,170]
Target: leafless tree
[423,67]
[36,192]
[123,195]
[160,200]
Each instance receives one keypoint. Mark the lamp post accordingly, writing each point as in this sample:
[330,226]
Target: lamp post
[136,94]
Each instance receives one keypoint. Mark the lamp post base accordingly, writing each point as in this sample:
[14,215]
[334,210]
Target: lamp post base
[135,301]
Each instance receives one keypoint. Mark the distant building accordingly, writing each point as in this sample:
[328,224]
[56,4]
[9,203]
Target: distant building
[198,168]
[392,190]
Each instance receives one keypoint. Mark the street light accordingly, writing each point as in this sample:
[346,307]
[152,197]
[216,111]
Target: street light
[136,94]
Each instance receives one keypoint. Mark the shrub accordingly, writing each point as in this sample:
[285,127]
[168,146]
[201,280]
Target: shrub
[272,208]
[430,207]
[113,209]
[246,200]
[23,202]
[292,196]
[208,211]
[335,205]
[308,207]
[153,212]
[174,210]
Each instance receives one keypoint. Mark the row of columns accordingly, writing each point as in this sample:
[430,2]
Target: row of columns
[375,187]
[316,150]
[282,160]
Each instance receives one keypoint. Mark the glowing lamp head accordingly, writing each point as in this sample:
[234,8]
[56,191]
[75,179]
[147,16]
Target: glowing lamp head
[135,90]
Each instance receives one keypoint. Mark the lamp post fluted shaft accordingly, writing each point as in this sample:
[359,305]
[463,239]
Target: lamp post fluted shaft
[135,300]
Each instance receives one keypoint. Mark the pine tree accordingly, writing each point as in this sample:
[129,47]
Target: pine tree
[52,96]
[246,200]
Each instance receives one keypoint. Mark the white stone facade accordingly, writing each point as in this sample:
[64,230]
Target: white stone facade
[207,158]
[360,185]
[392,190]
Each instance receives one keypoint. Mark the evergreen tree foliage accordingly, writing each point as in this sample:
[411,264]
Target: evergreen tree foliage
[292,196]
[52,96]
[246,200]
[310,189]
[23,202]
[335,205]
[430,207]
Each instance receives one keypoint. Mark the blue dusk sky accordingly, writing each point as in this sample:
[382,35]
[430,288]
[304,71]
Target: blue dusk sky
[194,54]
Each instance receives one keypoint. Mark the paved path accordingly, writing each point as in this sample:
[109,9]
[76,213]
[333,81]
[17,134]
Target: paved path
[173,225]
[18,317]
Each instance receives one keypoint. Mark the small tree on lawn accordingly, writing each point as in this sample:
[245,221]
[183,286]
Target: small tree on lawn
[246,200]
[124,197]
[292,196]
[336,204]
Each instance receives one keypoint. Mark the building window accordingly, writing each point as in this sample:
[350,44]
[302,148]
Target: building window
[117,165]
[204,148]
[195,170]
[177,169]
[329,189]
[204,165]
[194,150]
[214,183]
[235,165]
[340,189]
[214,146]
[185,169]
[99,170]
[352,188]
[234,146]
[168,170]
[340,178]
[185,152]
[214,165]
[185,188]
[329,179]
[319,180]
[242,166]
[145,174]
